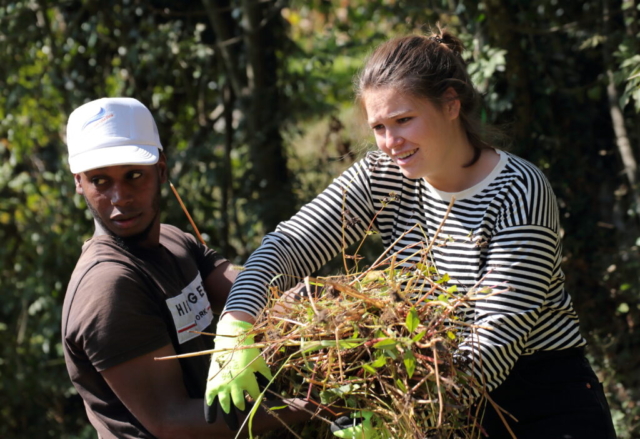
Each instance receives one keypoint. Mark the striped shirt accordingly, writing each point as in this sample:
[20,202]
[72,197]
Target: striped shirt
[502,232]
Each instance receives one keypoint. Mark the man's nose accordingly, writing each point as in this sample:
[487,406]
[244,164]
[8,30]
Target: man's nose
[120,195]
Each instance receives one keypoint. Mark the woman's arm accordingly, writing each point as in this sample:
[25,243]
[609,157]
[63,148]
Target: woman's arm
[520,272]
[528,309]
[335,219]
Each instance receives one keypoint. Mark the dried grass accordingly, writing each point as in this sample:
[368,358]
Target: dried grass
[378,342]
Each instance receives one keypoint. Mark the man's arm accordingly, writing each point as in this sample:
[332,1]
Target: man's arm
[218,284]
[155,394]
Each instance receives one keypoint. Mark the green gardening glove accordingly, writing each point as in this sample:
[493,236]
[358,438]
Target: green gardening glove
[233,371]
[358,426]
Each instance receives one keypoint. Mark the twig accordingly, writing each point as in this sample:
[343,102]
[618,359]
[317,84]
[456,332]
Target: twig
[433,240]
[184,208]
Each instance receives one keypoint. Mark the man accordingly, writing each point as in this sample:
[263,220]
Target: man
[140,288]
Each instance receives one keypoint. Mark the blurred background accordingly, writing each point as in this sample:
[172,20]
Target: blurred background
[254,103]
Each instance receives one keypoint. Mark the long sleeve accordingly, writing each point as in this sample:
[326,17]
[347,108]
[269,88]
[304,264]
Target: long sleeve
[528,305]
[502,234]
[336,218]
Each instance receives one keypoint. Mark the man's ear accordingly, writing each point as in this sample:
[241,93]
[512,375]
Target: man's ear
[162,167]
[451,103]
[79,189]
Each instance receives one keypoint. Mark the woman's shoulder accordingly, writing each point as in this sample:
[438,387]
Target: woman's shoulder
[530,189]
[524,170]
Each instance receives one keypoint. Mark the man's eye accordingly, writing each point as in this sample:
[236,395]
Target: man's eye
[404,119]
[98,181]
[377,127]
[135,174]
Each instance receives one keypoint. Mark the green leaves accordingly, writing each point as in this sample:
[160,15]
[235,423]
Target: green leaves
[412,320]
[409,363]
[330,395]
[387,343]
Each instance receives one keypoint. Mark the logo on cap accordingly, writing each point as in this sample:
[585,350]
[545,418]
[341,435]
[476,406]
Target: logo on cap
[97,117]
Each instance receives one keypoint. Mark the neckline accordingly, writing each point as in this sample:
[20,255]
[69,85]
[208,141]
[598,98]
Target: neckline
[476,188]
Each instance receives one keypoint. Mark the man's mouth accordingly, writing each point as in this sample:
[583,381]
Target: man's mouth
[125,221]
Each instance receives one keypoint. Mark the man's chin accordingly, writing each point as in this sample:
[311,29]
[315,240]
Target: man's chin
[128,239]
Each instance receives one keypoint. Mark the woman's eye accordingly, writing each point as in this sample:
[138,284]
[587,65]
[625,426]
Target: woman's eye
[377,127]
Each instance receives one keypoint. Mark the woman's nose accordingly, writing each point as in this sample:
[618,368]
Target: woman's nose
[393,140]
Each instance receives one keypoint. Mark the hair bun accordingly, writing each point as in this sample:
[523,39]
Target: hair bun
[452,42]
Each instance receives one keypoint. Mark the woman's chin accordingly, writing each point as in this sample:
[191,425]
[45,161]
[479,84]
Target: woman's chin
[410,173]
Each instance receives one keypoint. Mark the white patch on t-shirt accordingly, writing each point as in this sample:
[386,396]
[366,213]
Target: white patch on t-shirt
[191,310]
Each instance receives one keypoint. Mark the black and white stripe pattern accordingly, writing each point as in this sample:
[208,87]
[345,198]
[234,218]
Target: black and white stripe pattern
[503,232]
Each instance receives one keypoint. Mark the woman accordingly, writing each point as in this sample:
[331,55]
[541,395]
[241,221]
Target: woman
[503,229]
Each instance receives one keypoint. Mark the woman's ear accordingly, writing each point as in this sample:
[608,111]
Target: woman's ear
[451,103]
[77,179]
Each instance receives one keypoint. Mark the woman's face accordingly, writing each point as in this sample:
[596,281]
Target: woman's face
[422,139]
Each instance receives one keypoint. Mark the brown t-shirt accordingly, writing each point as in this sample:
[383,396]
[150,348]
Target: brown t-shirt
[123,304]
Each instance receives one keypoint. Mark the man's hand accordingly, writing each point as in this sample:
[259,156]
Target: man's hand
[358,426]
[235,370]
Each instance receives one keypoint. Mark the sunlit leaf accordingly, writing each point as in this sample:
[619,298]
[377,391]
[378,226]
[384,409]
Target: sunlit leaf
[387,343]
[409,363]
[412,321]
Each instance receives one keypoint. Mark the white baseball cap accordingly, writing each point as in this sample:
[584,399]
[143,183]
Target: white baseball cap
[110,132]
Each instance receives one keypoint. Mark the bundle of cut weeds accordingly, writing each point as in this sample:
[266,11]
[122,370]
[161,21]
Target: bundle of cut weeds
[374,343]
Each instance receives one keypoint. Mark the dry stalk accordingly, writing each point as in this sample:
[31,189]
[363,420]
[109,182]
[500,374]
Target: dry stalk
[363,346]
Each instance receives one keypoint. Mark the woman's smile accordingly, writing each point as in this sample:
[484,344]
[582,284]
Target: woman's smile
[402,158]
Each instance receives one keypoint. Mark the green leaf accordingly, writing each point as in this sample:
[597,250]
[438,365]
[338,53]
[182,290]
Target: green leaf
[451,335]
[452,289]
[380,361]
[419,336]
[410,363]
[387,343]
[424,269]
[348,344]
[401,385]
[310,347]
[329,395]
[369,369]
[412,320]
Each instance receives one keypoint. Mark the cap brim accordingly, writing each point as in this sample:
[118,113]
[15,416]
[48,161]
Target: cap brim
[114,156]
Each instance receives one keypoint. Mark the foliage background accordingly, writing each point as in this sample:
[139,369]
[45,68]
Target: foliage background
[253,99]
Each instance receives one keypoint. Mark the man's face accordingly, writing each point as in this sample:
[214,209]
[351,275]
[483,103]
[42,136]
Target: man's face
[125,200]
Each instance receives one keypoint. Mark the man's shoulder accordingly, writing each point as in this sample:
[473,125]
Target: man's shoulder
[102,267]
[171,230]
[97,252]
[172,236]
[98,277]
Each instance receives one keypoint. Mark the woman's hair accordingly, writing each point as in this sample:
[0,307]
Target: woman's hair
[426,66]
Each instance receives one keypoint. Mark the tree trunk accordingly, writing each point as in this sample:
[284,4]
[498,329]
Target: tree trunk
[219,14]
[623,144]
[271,180]
[499,17]
[256,90]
